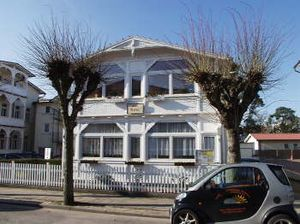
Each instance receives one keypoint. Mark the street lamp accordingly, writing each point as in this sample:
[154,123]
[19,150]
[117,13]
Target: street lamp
[297,67]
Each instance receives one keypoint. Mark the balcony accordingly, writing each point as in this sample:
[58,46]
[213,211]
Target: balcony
[8,121]
[9,88]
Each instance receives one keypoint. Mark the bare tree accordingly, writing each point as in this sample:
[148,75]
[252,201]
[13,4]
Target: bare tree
[231,70]
[70,59]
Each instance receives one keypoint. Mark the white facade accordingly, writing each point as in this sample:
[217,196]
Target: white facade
[147,111]
[13,97]
[17,113]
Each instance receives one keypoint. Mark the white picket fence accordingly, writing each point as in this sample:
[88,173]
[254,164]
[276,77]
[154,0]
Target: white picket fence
[105,178]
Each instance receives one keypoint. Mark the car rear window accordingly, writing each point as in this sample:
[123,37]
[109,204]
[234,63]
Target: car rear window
[278,172]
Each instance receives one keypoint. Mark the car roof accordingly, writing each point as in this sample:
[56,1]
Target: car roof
[251,164]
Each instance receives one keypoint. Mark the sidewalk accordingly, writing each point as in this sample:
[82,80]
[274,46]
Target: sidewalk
[91,202]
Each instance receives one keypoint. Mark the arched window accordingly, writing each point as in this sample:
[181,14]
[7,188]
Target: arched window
[19,80]
[2,139]
[5,76]
[15,140]
[3,106]
[17,109]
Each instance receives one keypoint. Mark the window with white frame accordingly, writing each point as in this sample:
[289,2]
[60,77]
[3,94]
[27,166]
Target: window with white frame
[158,84]
[184,147]
[115,87]
[102,140]
[113,147]
[2,139]
[172,64]
[171,140]
[136,85]
[167,77]
[135,147]
[91,147]
[4,109]
[158,148]
[181,84]
[209,142]
[15,140]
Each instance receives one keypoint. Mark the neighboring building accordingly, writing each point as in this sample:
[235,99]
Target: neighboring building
[34,93]
[48,126]
[147,112]
[282,141]
[13,103]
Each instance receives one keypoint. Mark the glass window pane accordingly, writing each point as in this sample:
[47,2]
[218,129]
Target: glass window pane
[158,85]
[91,147]
[115,87]
[209,143]
[102,128]
[136,85]
[279,173]
[158,148]
[169,65]
[135,147]
[184,147]
[96,93]
[181,85]
[234,176]
[111,69]
[171,127]
[113,147]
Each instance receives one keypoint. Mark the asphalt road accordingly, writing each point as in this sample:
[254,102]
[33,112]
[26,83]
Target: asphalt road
[16,214]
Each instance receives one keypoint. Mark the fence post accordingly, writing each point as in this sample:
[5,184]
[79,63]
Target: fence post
[47,174]
[13,172]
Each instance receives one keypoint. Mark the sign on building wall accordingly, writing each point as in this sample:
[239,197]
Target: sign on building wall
[134,109]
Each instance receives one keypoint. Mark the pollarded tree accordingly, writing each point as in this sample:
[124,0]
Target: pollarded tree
[63,55]
[232,71]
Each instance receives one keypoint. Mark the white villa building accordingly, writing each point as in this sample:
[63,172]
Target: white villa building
[17,112]
[147,112]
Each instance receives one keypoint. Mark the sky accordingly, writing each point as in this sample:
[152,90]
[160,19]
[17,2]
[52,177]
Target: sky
[163,20]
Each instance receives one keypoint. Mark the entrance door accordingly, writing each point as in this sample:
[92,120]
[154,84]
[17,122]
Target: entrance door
[235,194]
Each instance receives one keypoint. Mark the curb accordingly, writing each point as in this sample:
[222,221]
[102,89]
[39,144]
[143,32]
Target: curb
[111,211]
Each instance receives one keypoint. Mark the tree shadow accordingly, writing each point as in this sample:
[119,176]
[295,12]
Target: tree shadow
[8,205]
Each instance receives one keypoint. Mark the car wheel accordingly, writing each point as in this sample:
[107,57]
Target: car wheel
[281,219]
[185,216]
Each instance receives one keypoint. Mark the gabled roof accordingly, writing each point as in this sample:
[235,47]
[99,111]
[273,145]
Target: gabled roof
[274,137]
[137,42]
[40,91]
[18,66]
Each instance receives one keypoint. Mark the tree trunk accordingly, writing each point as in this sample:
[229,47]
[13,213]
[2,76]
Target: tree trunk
[233,152]
[67,165]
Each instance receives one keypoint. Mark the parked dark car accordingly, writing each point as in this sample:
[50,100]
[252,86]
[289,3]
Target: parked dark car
[239,193]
